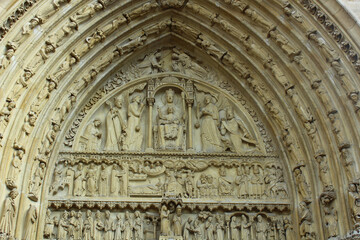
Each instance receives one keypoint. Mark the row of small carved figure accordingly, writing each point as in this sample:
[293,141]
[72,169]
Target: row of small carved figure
[140,226]
[250,182]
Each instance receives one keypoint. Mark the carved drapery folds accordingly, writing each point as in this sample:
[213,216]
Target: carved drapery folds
[186,105]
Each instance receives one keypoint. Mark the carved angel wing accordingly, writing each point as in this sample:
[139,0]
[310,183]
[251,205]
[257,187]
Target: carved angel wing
[222,102]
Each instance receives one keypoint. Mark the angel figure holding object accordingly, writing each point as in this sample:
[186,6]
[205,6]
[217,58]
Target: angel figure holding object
[240,138]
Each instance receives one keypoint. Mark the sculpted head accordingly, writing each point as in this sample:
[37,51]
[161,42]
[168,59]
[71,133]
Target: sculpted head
[229,113]
[42,165]
[98,6]
[97,122]
[136,99]
[178,210]
[13,194]
[170,110]
[10,53]
[88,213]
[119,101]
[207,99]
[170,95]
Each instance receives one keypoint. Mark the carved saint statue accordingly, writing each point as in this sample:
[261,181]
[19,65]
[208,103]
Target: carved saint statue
[93,136]
[138,227]
[109,227]
[197,230]
[210,136]
[115,125]
[103,181]
[261,228]
[170,124]
[98,226]
[88,226]
[79,181]
[187,229]
[234,226]
[176,221]
[165,222]
[115,178]
[63,226]
[240,138]
[91,181]
[79,225]
[30,223]
[8,214]
[210,228]
[219,227]
[245,228]
[128,227]
[49,225]
[134,137]
[119,227]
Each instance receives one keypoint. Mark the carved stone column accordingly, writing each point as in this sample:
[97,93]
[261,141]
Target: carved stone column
[149,147]
[189,103]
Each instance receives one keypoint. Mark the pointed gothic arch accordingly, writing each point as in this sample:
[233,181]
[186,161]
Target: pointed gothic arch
[291,65]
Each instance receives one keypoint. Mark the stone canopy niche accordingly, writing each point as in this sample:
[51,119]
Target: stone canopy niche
[165,154]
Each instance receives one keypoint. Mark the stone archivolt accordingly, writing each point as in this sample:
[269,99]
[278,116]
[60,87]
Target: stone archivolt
[224,94]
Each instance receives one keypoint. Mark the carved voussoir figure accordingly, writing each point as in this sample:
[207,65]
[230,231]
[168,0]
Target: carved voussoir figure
[302,184]
[30,223]
[5,60]
[8,214]
[35,185]
[306,221]
[48,142]
[15,167]
[86,12]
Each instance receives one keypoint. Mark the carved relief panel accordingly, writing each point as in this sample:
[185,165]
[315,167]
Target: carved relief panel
[189,177]
[170,219]
[158,153]
[170,113]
